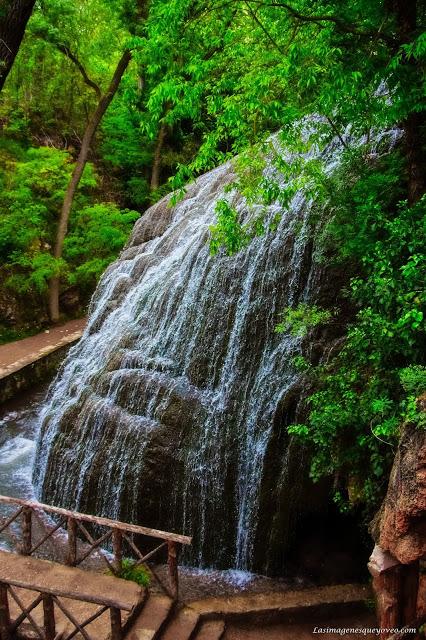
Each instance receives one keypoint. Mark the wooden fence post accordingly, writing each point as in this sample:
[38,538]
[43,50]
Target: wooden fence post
[117,547]
[26,531]
[116,631]
[49,617]
[4,613]
[173,569]
[72,542]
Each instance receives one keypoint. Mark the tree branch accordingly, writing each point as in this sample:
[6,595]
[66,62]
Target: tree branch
[265,31]
[341,25]
[336,131]
[71,56]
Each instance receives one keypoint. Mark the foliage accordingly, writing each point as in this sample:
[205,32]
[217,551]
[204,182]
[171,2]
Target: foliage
[368,390]
[413,379]
[134,572]
[98,233]
[10,335]
[228,232]
[299,320]
[34,182]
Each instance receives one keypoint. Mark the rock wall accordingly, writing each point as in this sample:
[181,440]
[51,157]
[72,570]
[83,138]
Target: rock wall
[399,530]
[401,524]
[31,374]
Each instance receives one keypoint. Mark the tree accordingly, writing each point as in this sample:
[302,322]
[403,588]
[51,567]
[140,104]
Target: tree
[398,25]
[14,15]
[103,104]
[280,61]
[156,165]
[34,182]
[408,18]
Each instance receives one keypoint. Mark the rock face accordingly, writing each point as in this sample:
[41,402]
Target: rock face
[172,409]
[399,529]
[401,524]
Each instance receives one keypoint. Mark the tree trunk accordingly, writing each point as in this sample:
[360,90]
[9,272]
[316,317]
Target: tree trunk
[156,165]
[414,125]
[93,124]
[14,15]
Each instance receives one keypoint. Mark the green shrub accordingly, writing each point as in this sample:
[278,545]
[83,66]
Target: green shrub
[34,183]
[130,570]
[413,379]
[369,389]
[299,320]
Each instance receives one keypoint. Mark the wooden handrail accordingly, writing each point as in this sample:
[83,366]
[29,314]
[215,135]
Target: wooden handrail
[29,511]
[66,582]
[50,600]
[106,522]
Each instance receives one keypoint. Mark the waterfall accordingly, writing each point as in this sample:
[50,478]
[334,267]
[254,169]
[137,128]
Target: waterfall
[171,410]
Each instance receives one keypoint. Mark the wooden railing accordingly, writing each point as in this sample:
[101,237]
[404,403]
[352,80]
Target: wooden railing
[53,607]
[30,515]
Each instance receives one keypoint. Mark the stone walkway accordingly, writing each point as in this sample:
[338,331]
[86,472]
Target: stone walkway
[19,354]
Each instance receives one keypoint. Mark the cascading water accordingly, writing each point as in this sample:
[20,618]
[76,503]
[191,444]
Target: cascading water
[171,410]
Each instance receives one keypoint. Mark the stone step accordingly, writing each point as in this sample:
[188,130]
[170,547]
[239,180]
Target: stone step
[151,619]
[285,606]
[181,626]
[210,630]
[206,619]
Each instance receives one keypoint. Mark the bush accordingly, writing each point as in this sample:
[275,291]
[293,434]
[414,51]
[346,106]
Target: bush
[299,320]
[133,572]
[34,183]
[368,390]
[413,379]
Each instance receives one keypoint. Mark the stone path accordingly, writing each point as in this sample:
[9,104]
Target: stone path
[19,354]
[286,603]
